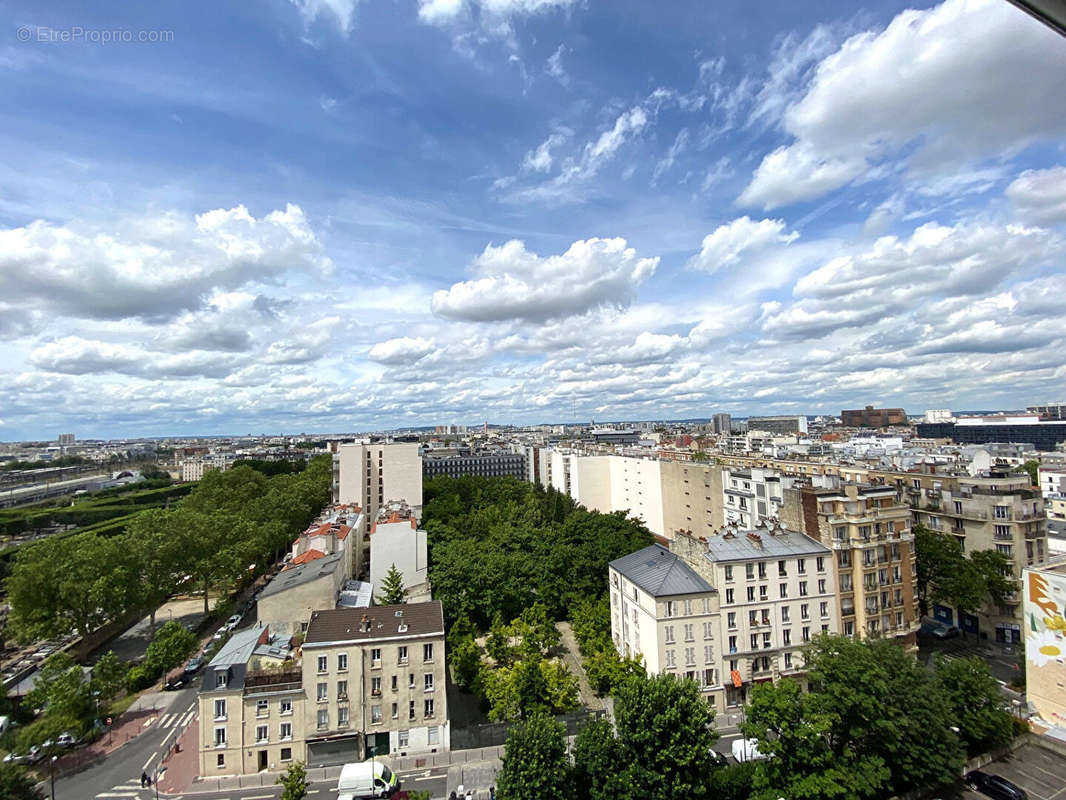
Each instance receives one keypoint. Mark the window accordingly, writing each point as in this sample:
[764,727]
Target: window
[403,739]
[782,568]
[708,630]
[323,692]
[427,680]
[788,660]
[220,709]
[342,689]
[395,710]
[669,634]
[323,663]
[433,735]
[286,754]
[427,652]
[708,654]
[783,590]
[755,641]
[342,662]
[729,572]
[784,613]
[1001,512]
[762,570]
[731,620]
[690,656]
[801,566]
[221,679]
[803,588]
[806,634]
[375,685]
[411,681]
[688,608]
[375,656]
[728,596]
[688,633]
[220,737]
[820,562]
[427,707]
[1004,550]
[671,608]
[342,716]
[260,733]
[753,617]
[765,640]
[220,760]
[286,730]
[261,708]
[763,592]
[824,609]
[749,571]
[401,654]
[821,586]
[786,636]
[732,644]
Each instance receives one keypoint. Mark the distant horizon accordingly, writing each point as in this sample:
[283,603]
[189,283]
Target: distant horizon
[473,428]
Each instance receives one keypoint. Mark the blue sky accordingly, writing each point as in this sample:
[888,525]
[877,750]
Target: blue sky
[338,215]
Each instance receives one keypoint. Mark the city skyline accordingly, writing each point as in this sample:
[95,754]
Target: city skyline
[332,215]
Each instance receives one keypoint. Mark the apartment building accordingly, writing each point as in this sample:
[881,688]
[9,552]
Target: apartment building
[370,475]
[396,540]
[692,497]
[251,706]
[779,424]
[753,495]
[489,464]
[665,614]
[998,511]
[1045,646]
[777,590]
[375,678]
[869,531]
[871,417]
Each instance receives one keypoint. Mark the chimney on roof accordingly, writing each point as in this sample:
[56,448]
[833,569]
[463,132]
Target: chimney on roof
[364,624]
[755,539]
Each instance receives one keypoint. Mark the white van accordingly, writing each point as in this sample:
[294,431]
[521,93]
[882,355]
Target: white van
[366,779]
[746,750]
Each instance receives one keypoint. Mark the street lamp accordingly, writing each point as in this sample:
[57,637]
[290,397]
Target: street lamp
[54,759]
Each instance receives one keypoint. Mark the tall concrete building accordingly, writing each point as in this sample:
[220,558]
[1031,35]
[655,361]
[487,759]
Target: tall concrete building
[721,423]
[1048,411]
[869,531]
[371,475]
[753,495]
[782,424]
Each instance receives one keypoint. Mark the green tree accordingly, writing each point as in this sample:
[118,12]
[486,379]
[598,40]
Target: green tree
[665,733]
[937,558]
[392,588]
[536,630]
[975,703]
[561,687]
[1033,470]
[172,643]
[995,571]
[535,764]
[159,559]
[293,782]
[61,688]
[16,784]
[498,642]
[466,664]
[109,676]
[597,761]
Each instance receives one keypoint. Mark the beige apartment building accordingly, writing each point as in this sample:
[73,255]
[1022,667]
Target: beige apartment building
[375,678]
[869,532]
[725,610]
[370,475]
[251,707]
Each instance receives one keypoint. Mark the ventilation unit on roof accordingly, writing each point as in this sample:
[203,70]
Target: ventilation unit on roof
[399,613]
[403,628]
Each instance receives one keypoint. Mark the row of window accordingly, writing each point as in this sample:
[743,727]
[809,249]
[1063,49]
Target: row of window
[375,658]
[782,590]
[285,755]
[689,631]
[262,708]
[428,710]
[762,616]
[751,567]
[690,656]
[262,733]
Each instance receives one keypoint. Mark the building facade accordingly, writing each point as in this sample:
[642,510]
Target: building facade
[871,417]
[1044,610]
[869,531]
[721,423]
[780,424]
[485,465]
[375,678]
[370,475]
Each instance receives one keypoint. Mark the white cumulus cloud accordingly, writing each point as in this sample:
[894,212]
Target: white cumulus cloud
[727,243]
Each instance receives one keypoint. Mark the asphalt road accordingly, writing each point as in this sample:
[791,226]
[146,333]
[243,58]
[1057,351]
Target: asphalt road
[433,781]
[118,775]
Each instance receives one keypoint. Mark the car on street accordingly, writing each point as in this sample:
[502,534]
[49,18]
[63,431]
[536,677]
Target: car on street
[995,786]
[175,683]
[946,632]
[66,739]
[232,622]
[193,665]
[718,759]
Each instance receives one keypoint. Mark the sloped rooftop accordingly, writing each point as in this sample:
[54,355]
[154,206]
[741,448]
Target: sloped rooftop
[660,573]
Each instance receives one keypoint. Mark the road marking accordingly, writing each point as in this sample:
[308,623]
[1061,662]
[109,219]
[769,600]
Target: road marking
[119,794]
[260,797]
[429,778]
[151,758]
[167,720]
[187,718]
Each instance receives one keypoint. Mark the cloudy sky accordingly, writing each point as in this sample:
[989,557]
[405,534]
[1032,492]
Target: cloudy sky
[341,215]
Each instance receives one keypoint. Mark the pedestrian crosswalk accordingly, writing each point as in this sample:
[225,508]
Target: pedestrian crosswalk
[130,790]
[178,720]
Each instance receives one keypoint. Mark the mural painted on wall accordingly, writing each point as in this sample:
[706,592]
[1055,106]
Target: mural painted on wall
[1045,645]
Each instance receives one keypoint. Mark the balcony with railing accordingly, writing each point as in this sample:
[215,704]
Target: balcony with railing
[280,681]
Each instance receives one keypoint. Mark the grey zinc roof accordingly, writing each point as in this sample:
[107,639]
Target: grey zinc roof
[660,573]
[299,575]
[741,547]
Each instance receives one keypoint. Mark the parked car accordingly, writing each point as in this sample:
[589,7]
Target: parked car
[995,786]
[175,683]
[717,759]
[232,622]
[67,739]
[193,665]
[946,632]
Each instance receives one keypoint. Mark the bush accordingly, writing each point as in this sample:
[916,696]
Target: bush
[139,678]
